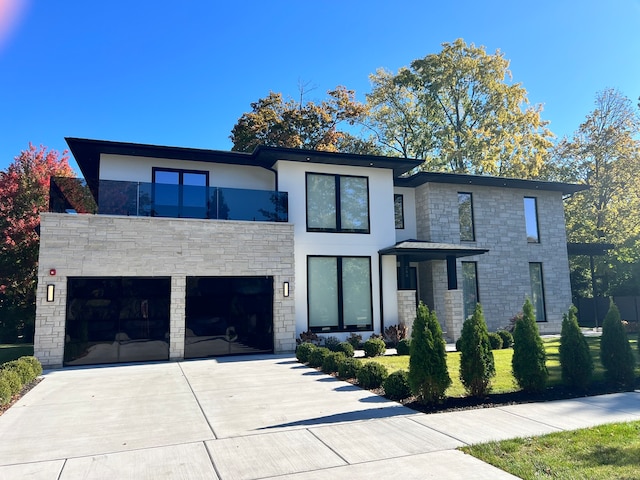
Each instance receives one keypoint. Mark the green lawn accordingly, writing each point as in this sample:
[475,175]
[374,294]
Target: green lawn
[504,382]
[10,352]
[603,452]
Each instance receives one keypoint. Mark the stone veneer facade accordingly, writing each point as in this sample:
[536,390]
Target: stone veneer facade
[101,245]
[503,272]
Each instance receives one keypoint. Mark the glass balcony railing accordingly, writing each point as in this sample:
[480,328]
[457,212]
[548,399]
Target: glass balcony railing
[165,200]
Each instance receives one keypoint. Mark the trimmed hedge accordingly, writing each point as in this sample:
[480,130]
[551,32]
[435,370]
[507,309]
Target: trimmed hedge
[16,374]
[374,347]
[404,346]
[507,338]
[396,386]
[303,351]
[372,375]
[348,368]
[317,356]
[346,348]
[331,362]
[495,341]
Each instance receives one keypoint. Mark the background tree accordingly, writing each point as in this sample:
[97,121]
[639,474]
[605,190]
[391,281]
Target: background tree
[575,358]
[428,373]
[24,193]
[477,366]
[275,122]
[615,351]
[529,358]
[457,111]
[604,153]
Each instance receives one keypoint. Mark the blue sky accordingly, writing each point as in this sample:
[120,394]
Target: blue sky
[181,73]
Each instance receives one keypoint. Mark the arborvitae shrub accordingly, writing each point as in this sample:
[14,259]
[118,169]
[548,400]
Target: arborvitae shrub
[348,368]
[22,368]
[529,358]
[495,341]
[331,361]
[371,375]
[317,356]
[404,346]
[35,364]
[374,347]
[12,380]
[396,386]
[615,351]
[477,366]
[332,343]
[507,338]
[458,345]
[575,358]
[303,351]
[346,348]
[428,373]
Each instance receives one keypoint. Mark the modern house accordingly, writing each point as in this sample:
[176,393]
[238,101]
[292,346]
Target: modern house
[191,253]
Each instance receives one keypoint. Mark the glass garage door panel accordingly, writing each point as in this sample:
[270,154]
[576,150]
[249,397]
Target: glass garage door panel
[117,319]
[228,316]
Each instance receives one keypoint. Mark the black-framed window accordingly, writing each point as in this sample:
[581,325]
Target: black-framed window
[180,193]
[339,293]
[470,287]
[337,203]
[537,290]
[531,219]
[398,208]
[465,214]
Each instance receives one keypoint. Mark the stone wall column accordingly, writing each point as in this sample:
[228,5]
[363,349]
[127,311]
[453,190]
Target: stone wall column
[177,313]
[453,313]
[407,309]
[49,338]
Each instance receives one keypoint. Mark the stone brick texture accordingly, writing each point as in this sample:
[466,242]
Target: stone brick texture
[101,245]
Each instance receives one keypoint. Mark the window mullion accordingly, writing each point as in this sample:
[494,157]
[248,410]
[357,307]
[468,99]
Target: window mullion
[338,206]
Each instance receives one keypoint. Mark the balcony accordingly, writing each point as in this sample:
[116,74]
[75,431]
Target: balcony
[139,199]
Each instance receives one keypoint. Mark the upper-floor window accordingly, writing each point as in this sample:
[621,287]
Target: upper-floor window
[465,213]
[398,207]
[337,203]
[531,219]
[180,193]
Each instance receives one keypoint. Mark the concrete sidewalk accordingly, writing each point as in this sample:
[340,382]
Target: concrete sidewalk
[257,417]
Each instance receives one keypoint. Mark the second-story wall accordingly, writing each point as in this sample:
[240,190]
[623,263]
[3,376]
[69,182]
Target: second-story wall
[499,225]
[140,169]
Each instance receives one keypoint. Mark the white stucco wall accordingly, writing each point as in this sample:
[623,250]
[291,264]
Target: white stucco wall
[409,232]
[139,169]
[292,179]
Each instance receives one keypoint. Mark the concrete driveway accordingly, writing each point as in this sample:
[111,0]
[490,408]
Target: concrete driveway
[252,418]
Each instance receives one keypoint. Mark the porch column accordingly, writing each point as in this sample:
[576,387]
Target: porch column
[177,319]
[453,313]
[407,309]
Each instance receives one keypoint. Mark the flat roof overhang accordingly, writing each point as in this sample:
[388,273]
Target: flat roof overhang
[487,181]
[420,251]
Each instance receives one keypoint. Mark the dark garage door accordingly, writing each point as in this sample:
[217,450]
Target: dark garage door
[228,316]
[117,319]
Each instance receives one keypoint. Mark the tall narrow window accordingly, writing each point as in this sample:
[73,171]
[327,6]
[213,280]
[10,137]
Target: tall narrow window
[339,292]
[537,290]
[470,287]
[398,207]
[337,203]
[531,219]
[465,213]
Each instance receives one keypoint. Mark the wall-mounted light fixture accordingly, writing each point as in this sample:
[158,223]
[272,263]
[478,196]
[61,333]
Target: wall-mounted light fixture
[51,292]
[52,271]
[285,289]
